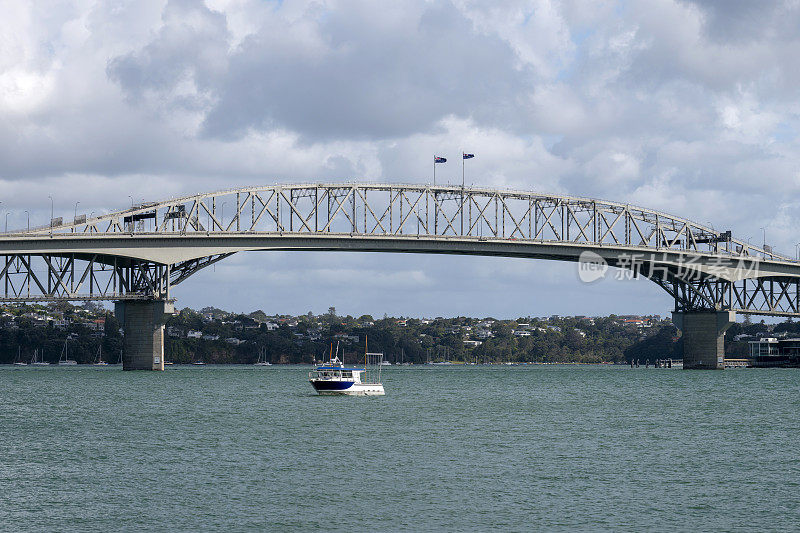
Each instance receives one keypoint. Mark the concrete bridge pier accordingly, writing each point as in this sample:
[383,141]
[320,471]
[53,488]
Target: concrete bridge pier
[704,337]
[143,324]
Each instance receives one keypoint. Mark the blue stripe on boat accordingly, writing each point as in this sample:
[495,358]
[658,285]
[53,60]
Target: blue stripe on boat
[332,385]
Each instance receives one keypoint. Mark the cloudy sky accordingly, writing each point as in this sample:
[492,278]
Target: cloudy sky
[690,107]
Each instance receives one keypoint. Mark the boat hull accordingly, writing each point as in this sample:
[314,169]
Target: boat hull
[346,388]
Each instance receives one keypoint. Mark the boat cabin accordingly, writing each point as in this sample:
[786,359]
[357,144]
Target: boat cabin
[336,373]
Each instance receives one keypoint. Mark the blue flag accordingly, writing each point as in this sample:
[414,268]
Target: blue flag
[437,159]
[469,156]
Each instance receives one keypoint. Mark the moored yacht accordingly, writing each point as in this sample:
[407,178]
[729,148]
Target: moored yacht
[99,360]
[64,359]
[18,361]
[262,358]
[37,361]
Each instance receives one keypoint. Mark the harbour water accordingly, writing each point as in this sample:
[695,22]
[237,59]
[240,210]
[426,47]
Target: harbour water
[524,448]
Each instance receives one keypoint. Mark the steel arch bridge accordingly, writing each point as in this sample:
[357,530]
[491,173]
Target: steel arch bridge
[141,252]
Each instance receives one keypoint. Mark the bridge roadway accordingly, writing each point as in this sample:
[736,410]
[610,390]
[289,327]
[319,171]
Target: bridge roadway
[136,255]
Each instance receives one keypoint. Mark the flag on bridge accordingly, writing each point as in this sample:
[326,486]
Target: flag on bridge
[464,157]
[437,159]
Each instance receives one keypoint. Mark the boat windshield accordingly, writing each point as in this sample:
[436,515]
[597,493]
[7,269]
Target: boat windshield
[331,374]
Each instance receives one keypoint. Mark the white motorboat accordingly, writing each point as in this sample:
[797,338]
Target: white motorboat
[333,378]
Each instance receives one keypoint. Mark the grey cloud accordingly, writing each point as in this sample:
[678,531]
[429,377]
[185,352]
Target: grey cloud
[738,21]
[369,83]
[191,46]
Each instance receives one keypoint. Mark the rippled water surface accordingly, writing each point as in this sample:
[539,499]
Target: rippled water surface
[448,448]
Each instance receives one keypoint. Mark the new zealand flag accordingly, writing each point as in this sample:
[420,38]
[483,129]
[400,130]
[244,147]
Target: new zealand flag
[437,159]
[469,156]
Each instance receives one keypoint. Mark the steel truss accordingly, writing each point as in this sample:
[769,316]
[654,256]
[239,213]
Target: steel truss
[775,296]
[78,277]
[379,211]
[391,210]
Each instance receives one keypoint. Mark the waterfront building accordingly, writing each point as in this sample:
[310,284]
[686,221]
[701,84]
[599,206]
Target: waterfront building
[770,351]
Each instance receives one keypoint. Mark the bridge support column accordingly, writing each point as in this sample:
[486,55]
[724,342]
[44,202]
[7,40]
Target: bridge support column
[704,337]
[143,325]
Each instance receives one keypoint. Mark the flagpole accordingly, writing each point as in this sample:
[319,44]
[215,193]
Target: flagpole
[462,193]
[434,171]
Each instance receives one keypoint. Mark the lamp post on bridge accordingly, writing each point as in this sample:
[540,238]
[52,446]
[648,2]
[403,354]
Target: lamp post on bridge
[222,216]
[74,218]
[29,219]
[764,240]
[51,215]
[8,213]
